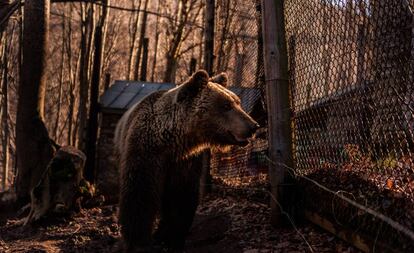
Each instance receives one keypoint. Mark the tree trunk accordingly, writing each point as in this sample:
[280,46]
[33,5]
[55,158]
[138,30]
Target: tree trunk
[105,11]
[33,147]
[209,36]
[228,18]
[4,119]
[133,31]
[157,36]
[6,10]
[205,180]
[71,104]
[170,71]
[61,81]
[92,130]
[86,53]
[107,81]
[144,63]
[141,40]
[179,35]
[73,87]
[193,66]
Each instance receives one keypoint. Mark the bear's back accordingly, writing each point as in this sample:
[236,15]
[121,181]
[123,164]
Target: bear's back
[137,112]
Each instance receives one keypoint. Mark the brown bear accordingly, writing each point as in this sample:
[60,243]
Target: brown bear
[157,141]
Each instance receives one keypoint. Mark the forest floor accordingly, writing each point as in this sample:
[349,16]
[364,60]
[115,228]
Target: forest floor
[223,224]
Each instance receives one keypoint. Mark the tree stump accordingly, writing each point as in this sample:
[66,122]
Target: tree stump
[61,186]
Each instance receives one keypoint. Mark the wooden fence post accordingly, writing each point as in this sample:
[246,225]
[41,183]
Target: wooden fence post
[278,105]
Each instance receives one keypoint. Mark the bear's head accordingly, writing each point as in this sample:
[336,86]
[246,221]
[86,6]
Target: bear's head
[215,112]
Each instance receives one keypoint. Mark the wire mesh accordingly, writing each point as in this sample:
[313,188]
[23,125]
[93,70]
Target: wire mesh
[351,66]
[238,52]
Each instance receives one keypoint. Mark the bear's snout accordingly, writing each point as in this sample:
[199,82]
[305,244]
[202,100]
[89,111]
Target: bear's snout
[244,129]
[251,129]
[254,128]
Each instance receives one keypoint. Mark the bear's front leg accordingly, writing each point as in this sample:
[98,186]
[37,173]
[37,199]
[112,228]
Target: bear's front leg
[180,201]
[139,203]
[177,216]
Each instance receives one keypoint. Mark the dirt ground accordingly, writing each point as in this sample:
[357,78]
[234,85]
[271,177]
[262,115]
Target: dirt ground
[223,224]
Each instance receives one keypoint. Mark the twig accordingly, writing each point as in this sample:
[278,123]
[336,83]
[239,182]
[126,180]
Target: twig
[78,227]
[13,7]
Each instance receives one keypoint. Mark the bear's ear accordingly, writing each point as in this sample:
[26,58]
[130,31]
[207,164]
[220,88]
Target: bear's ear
[221,79]
[193,86]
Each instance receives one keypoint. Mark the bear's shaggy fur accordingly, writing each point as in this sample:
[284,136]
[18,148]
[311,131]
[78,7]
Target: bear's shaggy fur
[157,141]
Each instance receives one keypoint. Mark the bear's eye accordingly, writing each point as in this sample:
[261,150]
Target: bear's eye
[227,107]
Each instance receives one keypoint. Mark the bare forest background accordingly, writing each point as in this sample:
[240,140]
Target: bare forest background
[330,81]
[157,41]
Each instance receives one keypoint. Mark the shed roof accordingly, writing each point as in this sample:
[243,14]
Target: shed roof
[122,95]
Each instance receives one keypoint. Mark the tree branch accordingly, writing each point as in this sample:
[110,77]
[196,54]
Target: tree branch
[6,10]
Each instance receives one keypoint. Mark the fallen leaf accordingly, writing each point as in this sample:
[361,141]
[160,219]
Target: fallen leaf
[390,184]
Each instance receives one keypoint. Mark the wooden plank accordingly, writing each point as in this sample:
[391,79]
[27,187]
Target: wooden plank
[278,104]
[359,241]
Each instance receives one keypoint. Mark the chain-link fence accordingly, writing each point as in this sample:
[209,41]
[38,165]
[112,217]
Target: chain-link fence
[238,52]
[351,65]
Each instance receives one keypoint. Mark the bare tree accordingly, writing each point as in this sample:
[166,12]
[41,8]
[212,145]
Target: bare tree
[33,146]
[227,12]
[71,102]
[188,11]
[92,131]
[157,36]
[61,79]
[133,34]
[4,116]
[6,10]
[84,74]
[173,29]
[111,51]
[141,40]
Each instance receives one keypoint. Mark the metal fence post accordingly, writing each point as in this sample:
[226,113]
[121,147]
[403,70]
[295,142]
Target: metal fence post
[278,105]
